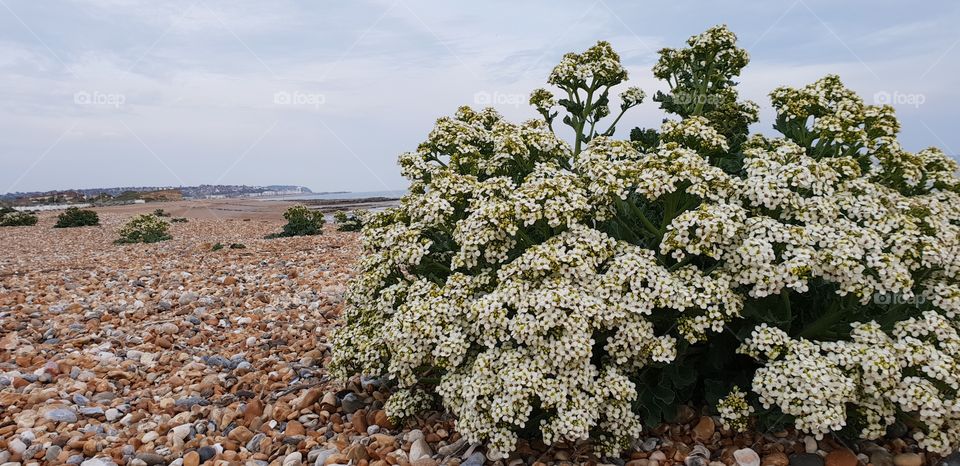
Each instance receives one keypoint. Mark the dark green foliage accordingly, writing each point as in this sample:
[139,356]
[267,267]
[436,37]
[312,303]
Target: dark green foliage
[14,218]
[76,217]
[144,228]
[178,220]
[161,213]
[238,246]
[301,221]
[217,247]
[352,221]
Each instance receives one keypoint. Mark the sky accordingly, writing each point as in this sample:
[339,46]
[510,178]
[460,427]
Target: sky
[326,94]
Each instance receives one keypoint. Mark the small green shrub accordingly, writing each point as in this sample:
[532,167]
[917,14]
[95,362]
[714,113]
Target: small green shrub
[217,247]
[75,217]
[238,246]
[301,221]
[161,213]
[352,221]
[145,228]
[178,220]
[14,218]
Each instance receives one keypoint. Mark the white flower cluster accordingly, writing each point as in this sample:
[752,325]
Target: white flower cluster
[542,100]
[632,97]
[694,133]
[536,283]
[717,44]
[839,116]
[735,410]
[913,370]
[598,64]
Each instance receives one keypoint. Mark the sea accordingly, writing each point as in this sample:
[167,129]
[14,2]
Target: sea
[351,195]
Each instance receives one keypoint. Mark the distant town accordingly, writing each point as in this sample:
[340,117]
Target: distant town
[140,194]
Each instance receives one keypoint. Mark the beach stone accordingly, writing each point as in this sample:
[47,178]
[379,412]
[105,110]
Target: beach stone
[26,418]
[91,411]
[61,415]
[206,453]
[453,448]
[98,462]
[658,456]
[775,459]
[351,403]
[950,460]
[112,414]
[806,459]
[191,459]
[841,457]
[747,457]
[151,459]
[420,449]
[880,457]
[319,456]
[52,453]
[356,453]
[191,401]
[91,447]
[907,459]
[307,399]
[254,443]
[810,444]
[476,459]
[32,450]
[414,435]
[704,429]
[188,298]
[650,444]
[294,429]
[168,328]
[293,459]
[16,446]
[181,432]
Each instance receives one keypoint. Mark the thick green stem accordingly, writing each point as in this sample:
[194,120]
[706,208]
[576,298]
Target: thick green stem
[612,128]
[832,317]
[649,226]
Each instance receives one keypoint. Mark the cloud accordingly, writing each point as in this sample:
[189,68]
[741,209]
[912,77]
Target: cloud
[197,84]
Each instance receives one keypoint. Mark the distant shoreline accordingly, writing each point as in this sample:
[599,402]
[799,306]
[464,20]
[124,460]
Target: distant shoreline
[368,203]
[338,196]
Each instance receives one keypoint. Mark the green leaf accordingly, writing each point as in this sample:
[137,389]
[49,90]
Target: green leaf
[664,394]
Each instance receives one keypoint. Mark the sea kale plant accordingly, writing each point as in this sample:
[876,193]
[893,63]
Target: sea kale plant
[10,217]
[350,221]
[144,228]
[301,221]
[581,290]
[76,217]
